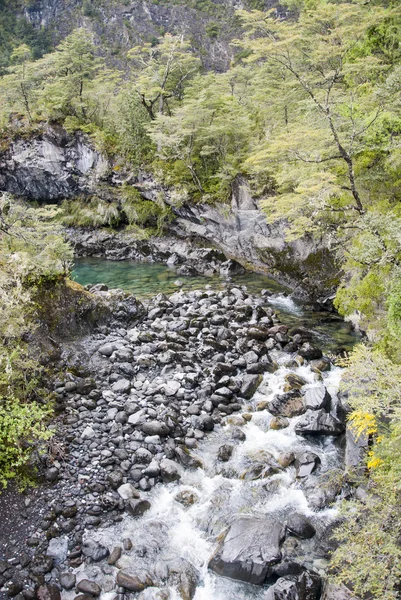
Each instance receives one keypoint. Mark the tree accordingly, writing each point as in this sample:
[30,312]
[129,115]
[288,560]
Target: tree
[18,87]
[76,82]
[161,73]
[208,135]
[323,104]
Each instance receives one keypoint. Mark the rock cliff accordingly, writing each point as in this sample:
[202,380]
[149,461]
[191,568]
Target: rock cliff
[54,165]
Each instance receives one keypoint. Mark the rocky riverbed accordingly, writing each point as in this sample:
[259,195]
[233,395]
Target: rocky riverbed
[193,459]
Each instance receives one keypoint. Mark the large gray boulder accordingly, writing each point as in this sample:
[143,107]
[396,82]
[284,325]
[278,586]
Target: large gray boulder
[249,550]
[317,398]
[319,422]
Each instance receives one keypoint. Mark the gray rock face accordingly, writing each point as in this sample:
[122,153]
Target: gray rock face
[249,550]
[51,165]
[355,449]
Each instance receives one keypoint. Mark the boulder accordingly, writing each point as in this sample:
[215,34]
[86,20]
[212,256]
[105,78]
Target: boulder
[319,422]
[355,449]
[249,549]
[300,526]
[290,404]
[170,470]
[225,452]
[134,582]
[89,587]
[306,463]
[306,586]
[250,384]
[122,386]
[136,508]
[94,550]
[317,398]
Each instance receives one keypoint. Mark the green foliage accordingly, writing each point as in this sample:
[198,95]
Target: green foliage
[129,209]
[369,551]
[32,254]
[72,82]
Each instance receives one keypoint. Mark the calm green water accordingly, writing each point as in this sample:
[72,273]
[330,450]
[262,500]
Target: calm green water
[145,280]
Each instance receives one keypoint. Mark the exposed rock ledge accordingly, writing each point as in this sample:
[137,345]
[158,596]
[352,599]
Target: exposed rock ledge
[54,165]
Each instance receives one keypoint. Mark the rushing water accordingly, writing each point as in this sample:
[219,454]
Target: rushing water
[145,280]
[170,531]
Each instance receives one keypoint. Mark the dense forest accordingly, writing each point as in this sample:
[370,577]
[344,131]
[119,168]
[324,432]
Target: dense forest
[309,112]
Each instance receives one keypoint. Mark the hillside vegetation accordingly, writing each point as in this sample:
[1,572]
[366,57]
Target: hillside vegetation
[309,111]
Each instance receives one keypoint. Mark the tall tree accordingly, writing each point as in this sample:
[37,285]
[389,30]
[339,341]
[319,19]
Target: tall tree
[161,73]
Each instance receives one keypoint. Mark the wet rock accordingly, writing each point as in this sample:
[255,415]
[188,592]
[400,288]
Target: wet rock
[321,365]
[134,582]
[136,508]
[89,587]
[238,434]
[250,384]
[290,404]
[306,586]
[249,550]
[317,398]
[186,497]
[286,459]
[48,591]
[115,555]
[300,526]
[306,463]
[94,550]
[319,422]
[309,352]
[170,470]
[225,452]
[187,459]
[183,576]
[294,381]
[279,423]
[67,580]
